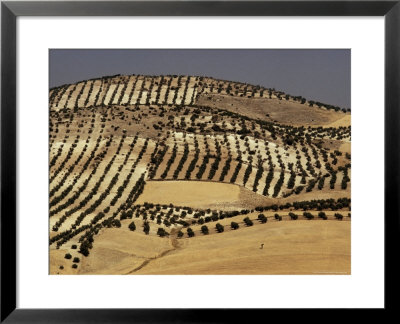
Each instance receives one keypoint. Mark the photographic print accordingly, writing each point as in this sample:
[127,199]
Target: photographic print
[200,161]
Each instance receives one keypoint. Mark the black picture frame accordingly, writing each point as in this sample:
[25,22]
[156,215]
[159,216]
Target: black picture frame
[10,10]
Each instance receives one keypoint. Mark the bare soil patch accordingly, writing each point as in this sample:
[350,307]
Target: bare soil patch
[281,111]
[300,247]
[196,194]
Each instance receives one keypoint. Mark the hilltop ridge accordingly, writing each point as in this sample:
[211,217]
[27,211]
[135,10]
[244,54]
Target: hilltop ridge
[181,83]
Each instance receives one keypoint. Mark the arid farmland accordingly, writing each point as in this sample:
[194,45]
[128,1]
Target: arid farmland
[193,175]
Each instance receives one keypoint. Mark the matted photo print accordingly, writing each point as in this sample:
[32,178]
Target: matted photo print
[199,161]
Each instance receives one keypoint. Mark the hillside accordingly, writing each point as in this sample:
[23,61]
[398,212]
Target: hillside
[172,153]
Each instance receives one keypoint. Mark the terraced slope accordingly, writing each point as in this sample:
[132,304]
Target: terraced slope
[119,145]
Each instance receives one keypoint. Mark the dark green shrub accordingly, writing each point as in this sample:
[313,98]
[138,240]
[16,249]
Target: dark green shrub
[219,228]
[338,216]
[132,226]
[264,219]
[234,225]
[308,215]
[248,221]
[161,232]
[190,232]
[146,228]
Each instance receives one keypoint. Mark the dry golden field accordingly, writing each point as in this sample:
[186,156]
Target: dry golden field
[151,174]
